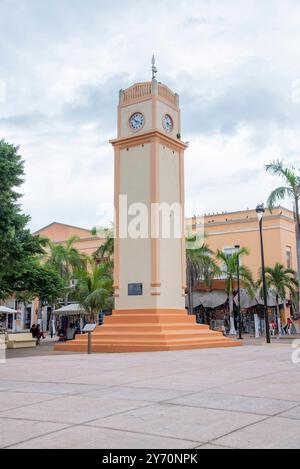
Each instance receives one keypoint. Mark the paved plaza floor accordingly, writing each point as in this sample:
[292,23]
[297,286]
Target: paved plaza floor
[246,397]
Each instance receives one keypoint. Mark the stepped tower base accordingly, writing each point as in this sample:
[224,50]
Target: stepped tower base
[148,330]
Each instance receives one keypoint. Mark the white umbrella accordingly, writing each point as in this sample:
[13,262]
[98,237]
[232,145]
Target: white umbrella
[5,310]
[70,310]
[246,300]
[211,299]
[271,300]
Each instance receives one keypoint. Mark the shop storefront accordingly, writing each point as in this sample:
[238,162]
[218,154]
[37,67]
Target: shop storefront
[9,319]
[211,308]
[70,320]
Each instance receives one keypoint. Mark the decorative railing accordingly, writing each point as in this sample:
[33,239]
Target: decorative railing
[141,90]
[137,91]
[166,93]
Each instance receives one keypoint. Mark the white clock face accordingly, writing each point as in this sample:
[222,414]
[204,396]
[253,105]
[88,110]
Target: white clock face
[136,121]
[168,123]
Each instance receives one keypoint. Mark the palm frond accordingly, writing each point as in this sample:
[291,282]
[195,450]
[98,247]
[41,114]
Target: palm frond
[278,195]
[280,280]
[94,289]
[291,179]
[277,168]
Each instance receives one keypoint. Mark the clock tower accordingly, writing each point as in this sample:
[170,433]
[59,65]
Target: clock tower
[149,195]
[149,245]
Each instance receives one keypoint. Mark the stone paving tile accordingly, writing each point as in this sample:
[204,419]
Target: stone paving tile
[179,422]
[274,433]
[260,388]
[12,400]
[6,385]
[119,396]
[108,379]
[288,377]
[73,409]
[83,437]
[16,431]
[292,413]
[133,394]
[54,388]
[234,403]
[190,383]
[123,377]
[41,376]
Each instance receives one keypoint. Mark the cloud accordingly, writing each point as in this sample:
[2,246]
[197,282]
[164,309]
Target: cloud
[22,120]
[238,104]
[95,104]
[63,62]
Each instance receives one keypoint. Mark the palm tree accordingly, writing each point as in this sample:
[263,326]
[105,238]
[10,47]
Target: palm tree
[65,259]
[291,189]
[280,280]
[229,270]
[94,289]
[105,252]
[200,265]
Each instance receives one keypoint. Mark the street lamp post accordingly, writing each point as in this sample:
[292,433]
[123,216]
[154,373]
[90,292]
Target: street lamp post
[260,210]
[239,291]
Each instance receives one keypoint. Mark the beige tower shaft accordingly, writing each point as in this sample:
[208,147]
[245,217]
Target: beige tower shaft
[149,170]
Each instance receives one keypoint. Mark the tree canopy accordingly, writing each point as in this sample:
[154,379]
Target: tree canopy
[41,281]
[17,244]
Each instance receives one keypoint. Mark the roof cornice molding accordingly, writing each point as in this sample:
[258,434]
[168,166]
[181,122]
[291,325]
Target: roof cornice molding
[143,137]
[60,224]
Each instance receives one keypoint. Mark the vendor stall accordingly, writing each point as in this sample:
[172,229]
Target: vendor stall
[8,318]
[70,320]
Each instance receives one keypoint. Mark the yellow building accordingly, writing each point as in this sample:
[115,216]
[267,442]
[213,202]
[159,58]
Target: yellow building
[59,233]
[225,230]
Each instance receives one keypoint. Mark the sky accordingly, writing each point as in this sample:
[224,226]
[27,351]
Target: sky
[235,65]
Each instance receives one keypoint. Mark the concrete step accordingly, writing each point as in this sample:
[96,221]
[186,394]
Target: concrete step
[149,330]
[152,328]
[155,319]
[146,347]
[145,336]
[150,340]
[151,312]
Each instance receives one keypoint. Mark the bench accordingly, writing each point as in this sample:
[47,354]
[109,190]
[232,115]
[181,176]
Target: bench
[22,340]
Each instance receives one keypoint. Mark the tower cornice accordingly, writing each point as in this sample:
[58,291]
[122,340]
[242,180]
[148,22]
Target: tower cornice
[144,137]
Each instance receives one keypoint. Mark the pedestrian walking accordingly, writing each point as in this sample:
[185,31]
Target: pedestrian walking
[272,327]
[52,328]
[289,326]
[39,334]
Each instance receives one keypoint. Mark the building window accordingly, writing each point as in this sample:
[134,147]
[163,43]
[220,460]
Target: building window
[27,317]
[288,254]
[229,251]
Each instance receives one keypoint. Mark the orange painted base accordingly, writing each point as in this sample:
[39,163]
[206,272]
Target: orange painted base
[148,330]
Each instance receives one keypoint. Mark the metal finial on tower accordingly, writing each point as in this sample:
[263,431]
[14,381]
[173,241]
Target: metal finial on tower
[154,69]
